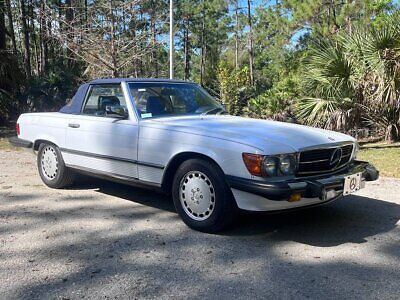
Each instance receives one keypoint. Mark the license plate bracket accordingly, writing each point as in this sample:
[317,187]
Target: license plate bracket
[352,183]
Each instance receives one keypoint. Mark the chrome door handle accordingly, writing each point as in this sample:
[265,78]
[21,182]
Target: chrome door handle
[72,125]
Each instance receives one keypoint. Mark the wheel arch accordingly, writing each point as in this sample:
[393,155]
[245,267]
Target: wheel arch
[38,142]
[176,161]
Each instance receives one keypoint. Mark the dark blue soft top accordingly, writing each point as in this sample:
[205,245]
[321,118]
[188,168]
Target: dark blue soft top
[75,105]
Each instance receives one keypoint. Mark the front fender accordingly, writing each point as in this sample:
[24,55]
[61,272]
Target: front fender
[160,146]
[226,154]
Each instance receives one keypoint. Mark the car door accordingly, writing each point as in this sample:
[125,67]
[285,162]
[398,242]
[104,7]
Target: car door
[100,143]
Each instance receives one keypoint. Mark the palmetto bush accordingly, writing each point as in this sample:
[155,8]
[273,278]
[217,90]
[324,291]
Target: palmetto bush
[355,81]
[268,106]
[276,103]
[330,88]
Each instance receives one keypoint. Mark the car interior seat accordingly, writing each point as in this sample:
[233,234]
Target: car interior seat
[106,101]
[154,106]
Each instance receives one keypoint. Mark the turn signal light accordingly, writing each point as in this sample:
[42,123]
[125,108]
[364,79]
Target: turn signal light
[294,198]
[253,163]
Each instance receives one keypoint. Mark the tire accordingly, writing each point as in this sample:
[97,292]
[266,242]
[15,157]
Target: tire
[51,167]
[202,198]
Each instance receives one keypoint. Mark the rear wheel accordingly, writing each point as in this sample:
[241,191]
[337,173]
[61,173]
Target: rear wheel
[51,167]
[201,196]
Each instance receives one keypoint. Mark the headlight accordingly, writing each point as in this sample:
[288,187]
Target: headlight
[287,165]
[270,166]
[279,165]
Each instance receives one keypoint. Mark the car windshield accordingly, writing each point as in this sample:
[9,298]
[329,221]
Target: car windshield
[172,99]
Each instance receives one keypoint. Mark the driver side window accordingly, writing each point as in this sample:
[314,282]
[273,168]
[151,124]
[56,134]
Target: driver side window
[101,96]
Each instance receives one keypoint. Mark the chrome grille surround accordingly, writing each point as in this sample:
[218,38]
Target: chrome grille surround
[324,160]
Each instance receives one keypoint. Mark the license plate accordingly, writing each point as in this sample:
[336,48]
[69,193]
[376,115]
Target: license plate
[352,183]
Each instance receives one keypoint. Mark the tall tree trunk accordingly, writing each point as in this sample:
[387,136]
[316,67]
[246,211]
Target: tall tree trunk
[11,26]
[135,60]
[141,63]
[43,38]
[36,52]
[133,32]
[86,10]
[237,34]
[69,17]
[251,52]
[186,45]
[49,44]
[58,51]
[60,15]
[154,49]
[2,26]
[203,48]
[35,58]
[25,30]
[112,37]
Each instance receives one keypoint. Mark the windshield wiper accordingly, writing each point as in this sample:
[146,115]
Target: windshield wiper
[216,110]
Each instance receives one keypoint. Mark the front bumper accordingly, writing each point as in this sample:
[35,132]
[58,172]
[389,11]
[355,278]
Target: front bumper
[321,187]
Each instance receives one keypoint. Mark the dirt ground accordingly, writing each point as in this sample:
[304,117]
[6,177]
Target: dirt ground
[105,240]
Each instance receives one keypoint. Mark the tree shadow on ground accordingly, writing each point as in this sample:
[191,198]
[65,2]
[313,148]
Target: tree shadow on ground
[130,260]
[143,196]
[348,220]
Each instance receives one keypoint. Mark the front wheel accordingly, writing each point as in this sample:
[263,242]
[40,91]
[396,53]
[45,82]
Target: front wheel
[51,167]
[201,196]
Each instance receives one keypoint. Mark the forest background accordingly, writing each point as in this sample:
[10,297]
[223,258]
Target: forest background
[328,63]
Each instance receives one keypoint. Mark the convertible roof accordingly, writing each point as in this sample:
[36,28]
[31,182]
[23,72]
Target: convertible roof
[75,105]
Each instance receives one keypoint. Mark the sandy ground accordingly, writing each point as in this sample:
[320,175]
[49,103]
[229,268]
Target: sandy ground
[106,240]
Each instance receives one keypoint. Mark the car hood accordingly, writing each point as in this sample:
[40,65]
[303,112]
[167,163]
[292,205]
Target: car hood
[266,135]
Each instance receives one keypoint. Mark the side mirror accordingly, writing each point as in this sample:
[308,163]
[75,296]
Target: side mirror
[117,111]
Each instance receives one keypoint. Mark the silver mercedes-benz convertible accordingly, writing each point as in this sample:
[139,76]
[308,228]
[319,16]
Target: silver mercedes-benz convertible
[172,135]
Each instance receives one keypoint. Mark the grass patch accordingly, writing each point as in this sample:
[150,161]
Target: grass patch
[385,157]
[5,133]
[5,145]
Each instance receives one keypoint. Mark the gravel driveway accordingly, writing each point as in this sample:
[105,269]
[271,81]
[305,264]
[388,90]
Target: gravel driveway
[106,240]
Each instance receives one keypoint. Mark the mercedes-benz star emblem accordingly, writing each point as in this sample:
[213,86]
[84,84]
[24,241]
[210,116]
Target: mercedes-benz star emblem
[335,158]
[353,183]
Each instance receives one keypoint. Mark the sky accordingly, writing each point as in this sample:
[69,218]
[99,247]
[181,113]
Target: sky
[265,3]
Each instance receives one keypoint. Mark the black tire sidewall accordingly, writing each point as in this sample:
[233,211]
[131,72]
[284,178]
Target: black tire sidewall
[224,207]
[56,182]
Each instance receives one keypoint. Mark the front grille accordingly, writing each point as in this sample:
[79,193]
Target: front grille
[318,161]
